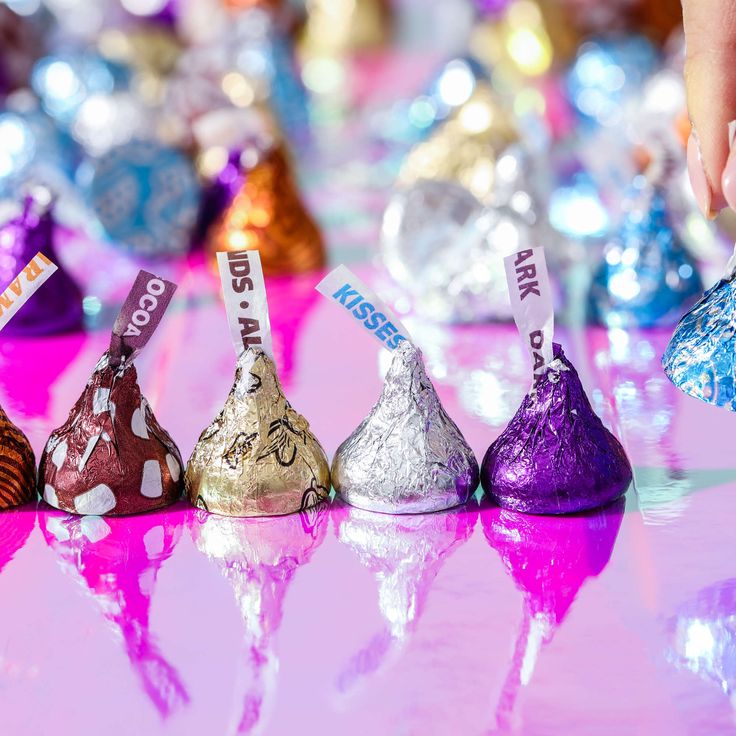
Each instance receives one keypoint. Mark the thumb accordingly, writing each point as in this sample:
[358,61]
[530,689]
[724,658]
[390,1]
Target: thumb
[710,78]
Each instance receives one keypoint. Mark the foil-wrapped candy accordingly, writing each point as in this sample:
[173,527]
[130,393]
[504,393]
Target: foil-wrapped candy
[699,359]
[258,457]
[111,456]
[555,456]
[466,146]
[345,26]
[407,456]
[267,215]
[146,197]
[446,251]
[646,278]
[18,479]
[58,306]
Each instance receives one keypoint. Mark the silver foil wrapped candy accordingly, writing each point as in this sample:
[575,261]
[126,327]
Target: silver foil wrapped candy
[446,252]
[407,456]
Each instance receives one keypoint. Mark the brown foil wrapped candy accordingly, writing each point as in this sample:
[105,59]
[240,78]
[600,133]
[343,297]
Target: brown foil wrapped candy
[111,456]
[258,457]
[17,465]
[268,215]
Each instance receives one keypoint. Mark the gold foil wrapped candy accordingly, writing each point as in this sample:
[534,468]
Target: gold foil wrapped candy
[268,215]
[464,149]
[258,457]
[346,26]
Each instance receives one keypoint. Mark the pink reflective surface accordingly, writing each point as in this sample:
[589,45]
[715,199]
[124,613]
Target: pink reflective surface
[473,621]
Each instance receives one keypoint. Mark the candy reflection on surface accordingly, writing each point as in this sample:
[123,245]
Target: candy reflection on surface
[703,637]
[259,559]
[15,529]
[405,555]
[117,563]
[549,560]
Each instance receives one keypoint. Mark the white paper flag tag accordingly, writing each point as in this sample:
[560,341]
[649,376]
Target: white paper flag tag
[344,289]
[23,286]
[531,302]
[245,300]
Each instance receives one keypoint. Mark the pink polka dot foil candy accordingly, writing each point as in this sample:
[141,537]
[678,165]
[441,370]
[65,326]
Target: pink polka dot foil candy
[111,456]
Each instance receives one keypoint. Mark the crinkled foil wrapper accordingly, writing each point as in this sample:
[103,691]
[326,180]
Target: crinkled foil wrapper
[445,250]
[111,457]
[18,465]
[555,456]
[268,215]
[700,358]
[258,457]
[646,278]
[407,456]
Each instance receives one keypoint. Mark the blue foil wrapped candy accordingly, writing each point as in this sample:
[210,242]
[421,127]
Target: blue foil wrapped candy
[646,278]
[146,196]
[700,358]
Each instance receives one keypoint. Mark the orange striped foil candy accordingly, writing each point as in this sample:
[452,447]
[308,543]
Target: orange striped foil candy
[17,465]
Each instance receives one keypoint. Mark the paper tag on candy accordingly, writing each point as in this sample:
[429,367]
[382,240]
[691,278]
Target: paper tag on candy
[531,303]
[344,289]
[246,305]
[23,286]
[140,316]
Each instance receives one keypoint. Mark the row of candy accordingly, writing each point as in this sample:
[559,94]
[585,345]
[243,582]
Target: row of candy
[259,457]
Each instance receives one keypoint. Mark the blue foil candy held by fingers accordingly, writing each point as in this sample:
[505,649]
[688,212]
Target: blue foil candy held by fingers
[646,278]
[700,358]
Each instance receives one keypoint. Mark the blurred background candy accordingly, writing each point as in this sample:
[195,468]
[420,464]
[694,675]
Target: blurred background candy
[58,306]
[430,138]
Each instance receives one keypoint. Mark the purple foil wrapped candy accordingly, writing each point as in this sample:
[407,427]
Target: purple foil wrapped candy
[555,456]
[58,306]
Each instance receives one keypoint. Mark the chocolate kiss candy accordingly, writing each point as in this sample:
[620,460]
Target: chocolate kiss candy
[407,456]
[258,457]
[555,456]
[58,306]
[267,214]
[646,277]
[111,456]
[699,359]
[17,465]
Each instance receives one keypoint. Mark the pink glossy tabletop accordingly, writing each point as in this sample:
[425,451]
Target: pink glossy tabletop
[473,621]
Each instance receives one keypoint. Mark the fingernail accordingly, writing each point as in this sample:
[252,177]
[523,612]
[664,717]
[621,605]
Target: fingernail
[698,181]
[728,181]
